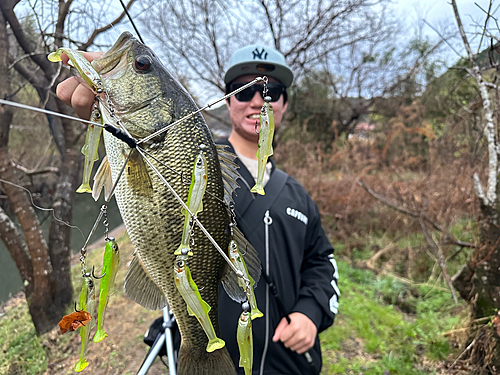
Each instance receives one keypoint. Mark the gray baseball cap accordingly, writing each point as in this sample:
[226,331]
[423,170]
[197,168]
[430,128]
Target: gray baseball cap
[259,59]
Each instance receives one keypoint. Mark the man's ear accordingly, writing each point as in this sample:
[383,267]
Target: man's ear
[285,106]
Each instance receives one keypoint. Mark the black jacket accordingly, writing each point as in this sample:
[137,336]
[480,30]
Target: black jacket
[284,227]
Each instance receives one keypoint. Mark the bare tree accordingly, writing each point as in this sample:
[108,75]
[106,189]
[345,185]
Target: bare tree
[45,267]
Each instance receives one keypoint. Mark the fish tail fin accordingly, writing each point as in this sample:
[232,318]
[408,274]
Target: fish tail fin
[256,313]
[259,189]
[81,364]
[100,335]
[196,360]
[84,188]
[215,344]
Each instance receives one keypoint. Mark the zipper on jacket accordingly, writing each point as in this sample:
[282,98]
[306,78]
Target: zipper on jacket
[267,222]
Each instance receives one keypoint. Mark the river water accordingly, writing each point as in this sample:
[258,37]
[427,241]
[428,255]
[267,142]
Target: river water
[85,212]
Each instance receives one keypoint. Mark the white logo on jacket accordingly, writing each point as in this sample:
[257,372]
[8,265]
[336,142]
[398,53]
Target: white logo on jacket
[297,215]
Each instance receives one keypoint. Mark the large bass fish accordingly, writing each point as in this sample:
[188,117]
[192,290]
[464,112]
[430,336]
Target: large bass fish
[145,98]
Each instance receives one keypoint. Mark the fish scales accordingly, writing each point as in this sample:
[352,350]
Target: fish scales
[153,217]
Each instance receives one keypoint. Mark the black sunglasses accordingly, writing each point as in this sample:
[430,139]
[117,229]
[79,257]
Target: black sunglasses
[274,90]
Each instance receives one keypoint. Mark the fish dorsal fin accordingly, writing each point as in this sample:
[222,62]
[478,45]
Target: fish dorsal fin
[141,288]
[252,261]
[229,170]
[102,179]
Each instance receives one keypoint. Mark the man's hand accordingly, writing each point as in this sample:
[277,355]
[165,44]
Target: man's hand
[299,335]
[75,93]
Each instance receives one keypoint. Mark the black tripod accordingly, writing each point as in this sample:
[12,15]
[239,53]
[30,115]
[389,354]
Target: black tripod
[164,338]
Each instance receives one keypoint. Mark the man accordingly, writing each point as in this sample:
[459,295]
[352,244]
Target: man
[299,272]
[284,227]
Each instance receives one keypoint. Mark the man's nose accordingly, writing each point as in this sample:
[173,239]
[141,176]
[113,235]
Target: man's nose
[257,100]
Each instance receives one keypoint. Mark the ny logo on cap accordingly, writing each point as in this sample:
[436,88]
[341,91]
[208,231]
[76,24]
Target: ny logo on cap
[262,55]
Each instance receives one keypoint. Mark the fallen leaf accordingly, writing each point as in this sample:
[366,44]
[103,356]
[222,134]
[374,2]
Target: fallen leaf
[74,320]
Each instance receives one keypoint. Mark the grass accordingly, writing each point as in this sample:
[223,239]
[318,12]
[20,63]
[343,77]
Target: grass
[383,326]
[373,336]
[21,350]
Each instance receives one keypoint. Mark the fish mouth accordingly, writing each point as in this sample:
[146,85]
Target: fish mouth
[115,55]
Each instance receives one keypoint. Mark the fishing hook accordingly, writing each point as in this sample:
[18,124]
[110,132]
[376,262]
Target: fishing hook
[95,277]
[182,179]
[76,310]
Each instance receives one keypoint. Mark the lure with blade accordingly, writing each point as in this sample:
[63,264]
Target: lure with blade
[265,150]
[87,303]
[239,263]
[82,65]
[107,286]
[245,342]
[196,306]
[194,202]
[90,150]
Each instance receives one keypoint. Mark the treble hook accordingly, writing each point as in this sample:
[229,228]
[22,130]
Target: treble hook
[95,277]
[76,310]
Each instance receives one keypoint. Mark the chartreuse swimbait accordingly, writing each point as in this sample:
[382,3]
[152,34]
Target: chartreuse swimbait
[196,306]
[93,79]
[107,285]
[265,150]
[239,263]
[245,342]
[82,65]
[194,202]
[90,150]
[87,303]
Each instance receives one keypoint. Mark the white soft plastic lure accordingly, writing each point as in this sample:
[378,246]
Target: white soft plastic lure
[196,306]
[266,135]
[194,202]
[239,263]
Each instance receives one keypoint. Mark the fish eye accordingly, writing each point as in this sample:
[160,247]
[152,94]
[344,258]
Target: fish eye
[199,163]
[180,263]
[143,63]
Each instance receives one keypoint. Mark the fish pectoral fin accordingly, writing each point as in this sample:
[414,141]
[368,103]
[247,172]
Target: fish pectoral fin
[250,256]
[102,179]
[141,288]
[139,179]
[229,170]
[230,283]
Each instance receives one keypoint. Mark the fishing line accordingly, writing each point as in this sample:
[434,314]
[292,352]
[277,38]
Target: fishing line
[258,79]
[195,219]
[42,208]
[47,112]
[131,21]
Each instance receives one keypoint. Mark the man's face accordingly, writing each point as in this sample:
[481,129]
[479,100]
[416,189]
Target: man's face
[244,115]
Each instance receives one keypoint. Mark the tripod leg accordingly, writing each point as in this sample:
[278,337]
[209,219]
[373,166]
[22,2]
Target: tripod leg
[155,349]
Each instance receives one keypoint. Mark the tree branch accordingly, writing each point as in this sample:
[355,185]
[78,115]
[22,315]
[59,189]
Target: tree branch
[96,32]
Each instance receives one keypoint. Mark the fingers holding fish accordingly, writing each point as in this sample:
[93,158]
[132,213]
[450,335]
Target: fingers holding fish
[77,95]
[75,92]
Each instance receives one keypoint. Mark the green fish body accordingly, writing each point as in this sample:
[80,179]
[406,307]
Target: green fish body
[195,305]
[195,200]
[146,98]
[239,263]
[245,342]
[90,150]
[265,150]
[110,265]
[87,303]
